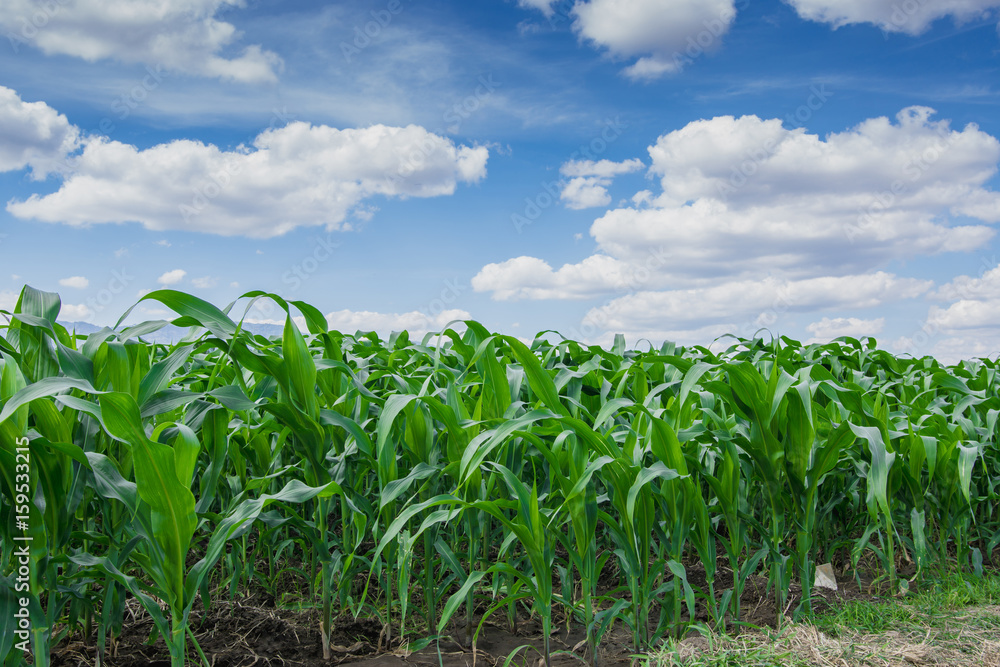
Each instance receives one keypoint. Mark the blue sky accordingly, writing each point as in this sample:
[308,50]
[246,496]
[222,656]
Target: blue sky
[666,169]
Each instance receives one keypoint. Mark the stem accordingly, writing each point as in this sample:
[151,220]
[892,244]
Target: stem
[177,644]
[429,596]
[890,554]
[547,630]
[326,621]
[470,596]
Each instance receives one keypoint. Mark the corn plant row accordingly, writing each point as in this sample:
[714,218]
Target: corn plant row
[437,484]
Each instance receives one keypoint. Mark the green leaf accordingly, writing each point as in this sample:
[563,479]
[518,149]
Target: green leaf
[192,307]
[539,380]
[301,368]
[42,389]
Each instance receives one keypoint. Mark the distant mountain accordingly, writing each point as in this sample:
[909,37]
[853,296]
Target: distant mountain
[171,334]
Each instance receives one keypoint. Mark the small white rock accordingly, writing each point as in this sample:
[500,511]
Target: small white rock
[825,577]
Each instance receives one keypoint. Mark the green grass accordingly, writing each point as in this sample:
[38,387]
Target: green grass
[955,620]
[941,599]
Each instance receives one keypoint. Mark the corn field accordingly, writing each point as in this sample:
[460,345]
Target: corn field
[437,484]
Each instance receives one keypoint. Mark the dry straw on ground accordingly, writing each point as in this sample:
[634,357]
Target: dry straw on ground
[962,640]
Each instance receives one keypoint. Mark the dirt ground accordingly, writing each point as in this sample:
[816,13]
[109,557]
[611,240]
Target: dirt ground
[254,632]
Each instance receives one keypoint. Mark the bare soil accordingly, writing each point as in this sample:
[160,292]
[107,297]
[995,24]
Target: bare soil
[254,632]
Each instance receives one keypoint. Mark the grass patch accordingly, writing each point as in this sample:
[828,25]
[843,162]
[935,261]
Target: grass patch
[953,620]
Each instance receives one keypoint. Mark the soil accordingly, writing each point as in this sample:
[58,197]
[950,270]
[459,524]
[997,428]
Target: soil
[253,632]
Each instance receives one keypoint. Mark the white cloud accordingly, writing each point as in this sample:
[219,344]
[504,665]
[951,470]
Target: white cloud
[827,329]
[533,278]
[984,343]
[172,277]
[544,6]
[967,327]
[667,35]
[913,17]
[77,313]
[747,160]
[297,175]
[234,285]
[580,193]
[8,300]
[748,207]
[967,314]
[205,282]
[163,242]
[176,35]
[600,168]
[415,322]
[803,205]
[76,282]
[985,286]
[32,134]
[589,182]
[751,301]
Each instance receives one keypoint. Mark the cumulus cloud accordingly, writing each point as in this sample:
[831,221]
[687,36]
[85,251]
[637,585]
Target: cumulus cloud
[744,198]
[415,322]
[32,134]
[967,326]
[580,193]
[600,168]
[750,301]
[741,196]
[532,278]
[827,329]
[665,35]
[985,286]
[912,17]
[76,282]
[589,182]
[178,35]
[297,175]
[77,313]
[172,277]
[205,282]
